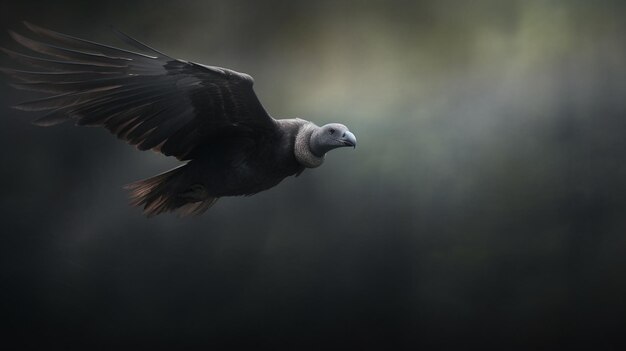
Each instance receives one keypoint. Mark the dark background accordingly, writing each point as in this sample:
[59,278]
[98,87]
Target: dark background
[485,204]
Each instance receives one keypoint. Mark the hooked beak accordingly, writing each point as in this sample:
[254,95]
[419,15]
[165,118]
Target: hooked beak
[348,139]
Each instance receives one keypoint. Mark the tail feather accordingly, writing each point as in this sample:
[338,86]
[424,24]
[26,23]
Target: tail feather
[168,192]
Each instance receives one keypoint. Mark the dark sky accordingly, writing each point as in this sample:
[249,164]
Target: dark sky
[484,207]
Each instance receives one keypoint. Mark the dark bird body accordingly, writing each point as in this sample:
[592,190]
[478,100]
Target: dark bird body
[208,116]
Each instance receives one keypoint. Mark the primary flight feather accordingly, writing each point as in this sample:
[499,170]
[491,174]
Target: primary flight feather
[208,116]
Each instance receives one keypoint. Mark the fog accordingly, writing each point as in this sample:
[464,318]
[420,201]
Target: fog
[484,206]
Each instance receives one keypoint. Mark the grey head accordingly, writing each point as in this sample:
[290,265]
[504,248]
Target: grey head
[329,137]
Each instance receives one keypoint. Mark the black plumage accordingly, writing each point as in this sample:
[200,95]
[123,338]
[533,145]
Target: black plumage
[208,116]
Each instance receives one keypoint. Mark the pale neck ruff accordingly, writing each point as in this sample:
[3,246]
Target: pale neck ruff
[302,148]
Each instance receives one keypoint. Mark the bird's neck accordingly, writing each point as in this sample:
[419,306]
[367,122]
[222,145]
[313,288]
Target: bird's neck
[303,147]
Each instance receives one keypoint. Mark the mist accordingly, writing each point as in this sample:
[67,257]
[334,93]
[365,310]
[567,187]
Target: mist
[484,206]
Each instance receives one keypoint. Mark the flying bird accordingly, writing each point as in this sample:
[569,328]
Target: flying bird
[209,117]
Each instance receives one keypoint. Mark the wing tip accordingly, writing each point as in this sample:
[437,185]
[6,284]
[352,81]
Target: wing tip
[39,123]
[13,34]
[46,121]
[28,24]
[19,107]
[35,28]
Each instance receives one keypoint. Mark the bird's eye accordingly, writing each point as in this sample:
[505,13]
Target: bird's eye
[331,131]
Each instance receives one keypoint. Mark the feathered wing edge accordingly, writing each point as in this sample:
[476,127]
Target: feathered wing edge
[131,94]
[75,69]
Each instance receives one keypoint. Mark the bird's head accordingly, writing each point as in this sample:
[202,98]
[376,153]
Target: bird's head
[329,137]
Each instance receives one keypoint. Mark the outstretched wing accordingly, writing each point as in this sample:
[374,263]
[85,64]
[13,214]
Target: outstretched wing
[150,100]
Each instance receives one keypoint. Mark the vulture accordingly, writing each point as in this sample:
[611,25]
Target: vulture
[208,117]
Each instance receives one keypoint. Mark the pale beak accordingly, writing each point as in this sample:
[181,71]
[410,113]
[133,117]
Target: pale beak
[348,139]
